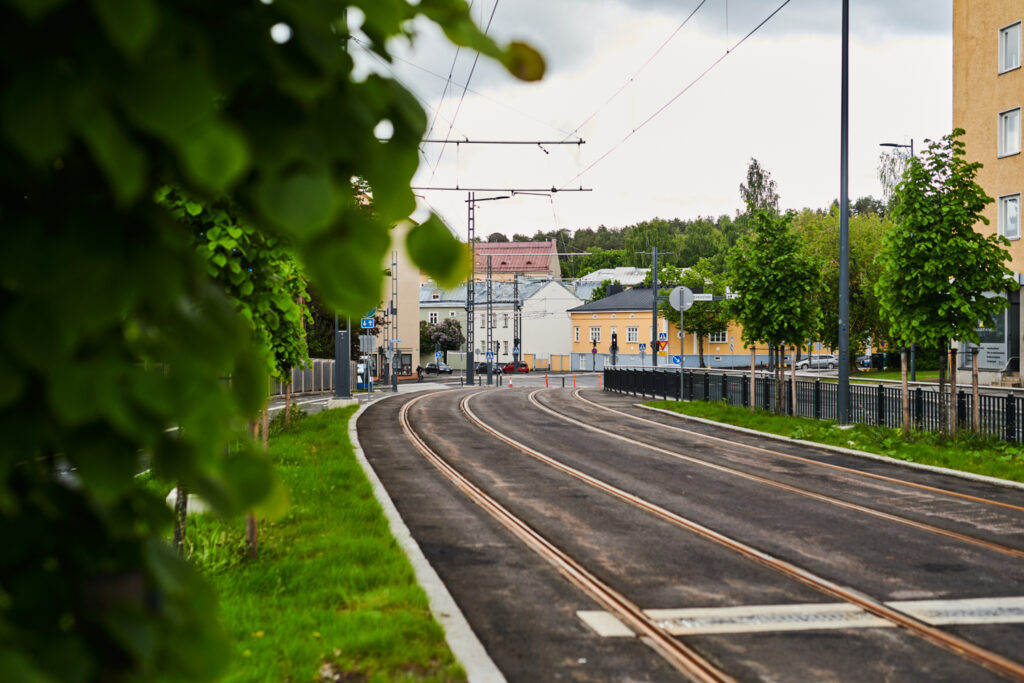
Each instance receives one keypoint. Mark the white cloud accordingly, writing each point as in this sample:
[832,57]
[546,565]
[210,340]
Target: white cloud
[775,98]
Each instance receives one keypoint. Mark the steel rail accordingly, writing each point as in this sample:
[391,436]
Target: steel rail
[813,495]
[808,461]
[948,641]
[686,660]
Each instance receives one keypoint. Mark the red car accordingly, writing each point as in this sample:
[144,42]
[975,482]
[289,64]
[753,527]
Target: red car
[521,366]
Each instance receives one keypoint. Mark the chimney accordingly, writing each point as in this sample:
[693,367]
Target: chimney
[612,289]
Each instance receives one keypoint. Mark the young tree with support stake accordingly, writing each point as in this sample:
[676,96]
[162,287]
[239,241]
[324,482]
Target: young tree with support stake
[936,268]
[776,281]
[704,317]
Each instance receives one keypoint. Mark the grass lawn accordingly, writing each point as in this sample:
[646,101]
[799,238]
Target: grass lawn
[331,597]
[968,453]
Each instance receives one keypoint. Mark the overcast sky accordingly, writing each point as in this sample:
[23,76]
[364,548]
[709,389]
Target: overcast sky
[775,97]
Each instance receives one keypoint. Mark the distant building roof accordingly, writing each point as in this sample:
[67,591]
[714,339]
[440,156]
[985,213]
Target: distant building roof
[627,275]
[636,299]
[516,257]
[502,292]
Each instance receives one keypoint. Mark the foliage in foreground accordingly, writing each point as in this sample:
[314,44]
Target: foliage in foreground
[114,341]
[968,452]
[331,593]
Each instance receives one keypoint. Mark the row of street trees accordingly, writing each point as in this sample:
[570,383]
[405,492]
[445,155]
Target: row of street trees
[925,275]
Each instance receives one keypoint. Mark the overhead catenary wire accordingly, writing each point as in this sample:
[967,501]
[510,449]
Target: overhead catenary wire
[472,69]
[679,94]
[632,78]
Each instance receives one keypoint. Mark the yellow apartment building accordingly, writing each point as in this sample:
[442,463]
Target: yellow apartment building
[628,315]
[988,96]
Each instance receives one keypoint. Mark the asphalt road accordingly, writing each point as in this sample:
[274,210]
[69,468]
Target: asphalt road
[531,620]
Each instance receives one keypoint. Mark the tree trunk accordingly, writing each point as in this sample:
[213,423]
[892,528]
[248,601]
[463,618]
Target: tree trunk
[287,404]
[976,421]
[952,392]
[780,406]
[905,393]
[943,414]
[792,380]
[753,378]
[700,351]
[180,517]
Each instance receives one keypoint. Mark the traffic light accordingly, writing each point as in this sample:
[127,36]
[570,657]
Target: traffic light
[615,339]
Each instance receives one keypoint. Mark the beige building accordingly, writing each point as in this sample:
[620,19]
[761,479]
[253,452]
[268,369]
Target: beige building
[988,96]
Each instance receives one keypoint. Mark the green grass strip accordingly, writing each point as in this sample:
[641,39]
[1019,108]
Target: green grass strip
[969,452]
[332,596]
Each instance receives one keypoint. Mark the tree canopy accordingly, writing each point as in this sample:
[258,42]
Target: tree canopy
[936,267]
[118,351]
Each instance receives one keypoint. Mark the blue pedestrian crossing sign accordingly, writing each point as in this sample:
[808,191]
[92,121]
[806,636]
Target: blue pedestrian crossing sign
[490,355]
[663,336]
[437,355]
[366,323]
[515,350]
[643,347]
[676,360]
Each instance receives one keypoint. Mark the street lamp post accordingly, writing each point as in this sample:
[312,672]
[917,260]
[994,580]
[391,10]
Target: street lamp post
[913,346]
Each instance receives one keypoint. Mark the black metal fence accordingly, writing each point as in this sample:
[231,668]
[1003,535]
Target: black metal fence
[869,404]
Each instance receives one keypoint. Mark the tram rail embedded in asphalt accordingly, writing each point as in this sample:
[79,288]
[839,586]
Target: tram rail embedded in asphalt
[897,617]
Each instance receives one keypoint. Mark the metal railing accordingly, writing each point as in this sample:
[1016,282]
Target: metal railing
[1000,414]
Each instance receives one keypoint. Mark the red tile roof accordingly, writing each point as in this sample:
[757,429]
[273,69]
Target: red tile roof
[515,257]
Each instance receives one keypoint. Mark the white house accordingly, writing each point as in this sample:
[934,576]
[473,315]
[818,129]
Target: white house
[546,321]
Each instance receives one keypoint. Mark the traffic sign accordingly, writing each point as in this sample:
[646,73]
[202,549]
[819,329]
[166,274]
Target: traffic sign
[515,350]
[366,323]
[437,355]
[662,345]
[643,347]
[677,360]
[490,355]
[681,298]
[703,297]
[594,350]
[662,336]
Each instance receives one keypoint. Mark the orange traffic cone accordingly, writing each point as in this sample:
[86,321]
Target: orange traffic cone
[510,381]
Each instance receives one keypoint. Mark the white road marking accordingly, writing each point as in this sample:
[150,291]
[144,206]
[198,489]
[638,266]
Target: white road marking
[813,616]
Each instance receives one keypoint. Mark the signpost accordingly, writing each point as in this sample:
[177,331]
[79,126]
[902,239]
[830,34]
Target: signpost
[366,323]
[643,348]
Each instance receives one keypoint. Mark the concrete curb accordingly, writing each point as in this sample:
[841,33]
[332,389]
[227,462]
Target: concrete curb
[460,637]
[847,451]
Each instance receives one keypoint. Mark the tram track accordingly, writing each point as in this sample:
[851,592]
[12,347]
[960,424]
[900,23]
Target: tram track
[807,461]
[686,660]
[936,636]
[790,488]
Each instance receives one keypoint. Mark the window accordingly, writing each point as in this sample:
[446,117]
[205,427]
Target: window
[632,335]
[506,348]
[595,335]
[451,314]
[504,319]
[1009,132]
[576,334]
[432,317]
[1009,216]
[435,296]
[718,337]
[1009,48]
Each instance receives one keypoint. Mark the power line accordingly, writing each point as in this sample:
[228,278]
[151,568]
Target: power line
[679,94]
[440,154]
[632,78]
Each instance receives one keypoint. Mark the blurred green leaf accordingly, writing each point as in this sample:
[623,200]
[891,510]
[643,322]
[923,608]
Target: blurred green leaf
[301,204]
[130,25]
[434,249]
[216,157]
[33,117]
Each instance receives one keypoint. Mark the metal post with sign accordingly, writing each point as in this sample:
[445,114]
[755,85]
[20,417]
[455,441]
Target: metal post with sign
[643,349]
[681,298]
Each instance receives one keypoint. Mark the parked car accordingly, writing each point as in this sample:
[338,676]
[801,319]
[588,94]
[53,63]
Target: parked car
[818,362]
[481,369]
[521,366]
[437,368]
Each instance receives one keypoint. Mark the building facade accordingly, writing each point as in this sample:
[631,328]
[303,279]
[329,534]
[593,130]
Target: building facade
[988,96]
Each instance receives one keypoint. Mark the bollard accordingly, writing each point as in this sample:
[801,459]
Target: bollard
[574,380]
[510,381]
[599,381]
[545,380]
[563,381]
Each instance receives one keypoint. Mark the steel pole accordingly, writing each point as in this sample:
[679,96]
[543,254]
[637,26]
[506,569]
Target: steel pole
[844,226]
